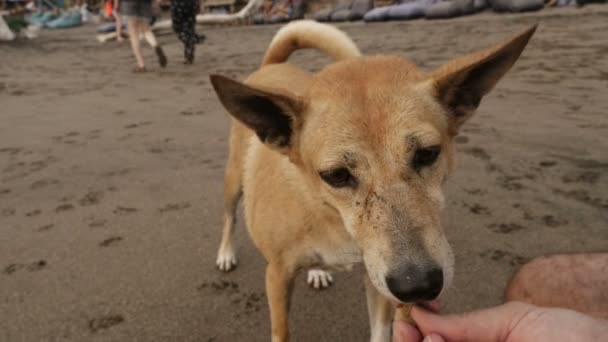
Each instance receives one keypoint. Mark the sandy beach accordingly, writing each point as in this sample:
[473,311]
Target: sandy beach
[111,183]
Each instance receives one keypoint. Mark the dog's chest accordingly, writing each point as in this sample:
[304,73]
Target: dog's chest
[341,258]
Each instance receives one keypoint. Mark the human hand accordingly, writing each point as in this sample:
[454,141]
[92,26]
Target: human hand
[505,323]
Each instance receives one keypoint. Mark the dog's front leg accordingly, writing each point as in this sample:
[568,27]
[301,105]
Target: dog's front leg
[279,285]
[380,312]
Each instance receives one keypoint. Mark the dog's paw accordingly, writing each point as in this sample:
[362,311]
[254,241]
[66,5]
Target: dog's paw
[226,260]
[319,279]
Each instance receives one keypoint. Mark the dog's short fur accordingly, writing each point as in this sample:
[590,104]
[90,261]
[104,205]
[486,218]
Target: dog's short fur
[346,165]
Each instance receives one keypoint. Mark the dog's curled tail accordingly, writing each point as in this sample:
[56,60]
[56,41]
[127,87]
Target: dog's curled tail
[307,34]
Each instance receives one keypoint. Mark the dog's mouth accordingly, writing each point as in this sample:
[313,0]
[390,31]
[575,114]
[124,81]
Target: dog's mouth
[433,306]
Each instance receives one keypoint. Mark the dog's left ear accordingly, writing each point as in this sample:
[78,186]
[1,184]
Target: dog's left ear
[273,115]
[461,83]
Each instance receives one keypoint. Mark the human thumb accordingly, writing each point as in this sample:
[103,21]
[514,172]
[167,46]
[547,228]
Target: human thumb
[489,325]
[433,338]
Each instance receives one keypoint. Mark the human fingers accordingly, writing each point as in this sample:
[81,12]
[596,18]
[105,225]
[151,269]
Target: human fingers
[489,325]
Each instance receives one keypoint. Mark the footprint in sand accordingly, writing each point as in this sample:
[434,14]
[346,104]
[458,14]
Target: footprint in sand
[583,196]
[505,228]
[500,255]
[32,267]
[91,198]
[36,266]
[249,302]
[478,153]
[95,223]
[104,322]
[479,209]
[220,285]
[192,112]
[547,163]
[64,207]
[7,212]
[119,172]
[120,210]
[156,149]
[587,177]
[461,139]
[45,227]
[33,213]
[510,183]
[475,191]
[553,222]
[526,213]
[13,151]
[110,241]
[43,183]
[174,206]
[138,124]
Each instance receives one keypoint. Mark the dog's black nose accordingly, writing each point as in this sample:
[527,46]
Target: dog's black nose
[413,284]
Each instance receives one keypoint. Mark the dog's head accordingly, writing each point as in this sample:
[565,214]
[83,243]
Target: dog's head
[373,136]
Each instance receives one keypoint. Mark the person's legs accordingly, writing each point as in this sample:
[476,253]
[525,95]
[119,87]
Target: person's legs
[183,18]
[133,28]
[118,21]
[146,31]
[193,38]
[577,281]
[190,39]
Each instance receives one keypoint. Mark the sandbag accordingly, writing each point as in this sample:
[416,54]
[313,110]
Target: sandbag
[67,20]
[441,10]
[451,9]
[516,5]
[343,5]
[410,10]
[340,15]
[41,18]
[479,5]
[298,9]
[323,15]
[277,19]
[5,32]
[377,14]
[359,8]
[109,27]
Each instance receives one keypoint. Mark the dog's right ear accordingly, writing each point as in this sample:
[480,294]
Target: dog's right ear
[272,114]
[461,83]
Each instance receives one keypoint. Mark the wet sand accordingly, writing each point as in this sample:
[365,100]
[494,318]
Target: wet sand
[111,184]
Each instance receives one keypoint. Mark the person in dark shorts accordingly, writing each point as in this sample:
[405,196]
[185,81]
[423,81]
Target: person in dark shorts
[183,18]
[139,13]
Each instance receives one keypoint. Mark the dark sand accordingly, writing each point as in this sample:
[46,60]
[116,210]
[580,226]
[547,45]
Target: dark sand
[111,184]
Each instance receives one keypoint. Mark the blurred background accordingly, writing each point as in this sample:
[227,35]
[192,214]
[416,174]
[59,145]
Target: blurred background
[111,180]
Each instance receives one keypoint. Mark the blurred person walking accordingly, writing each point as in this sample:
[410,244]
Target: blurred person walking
[183,18]
[139,14]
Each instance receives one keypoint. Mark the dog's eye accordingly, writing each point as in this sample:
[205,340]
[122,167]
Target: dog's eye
[338,178]
[426,156]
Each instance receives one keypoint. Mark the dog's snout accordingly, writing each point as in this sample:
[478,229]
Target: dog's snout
[413,284]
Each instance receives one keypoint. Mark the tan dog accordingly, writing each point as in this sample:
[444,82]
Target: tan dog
[346,165]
